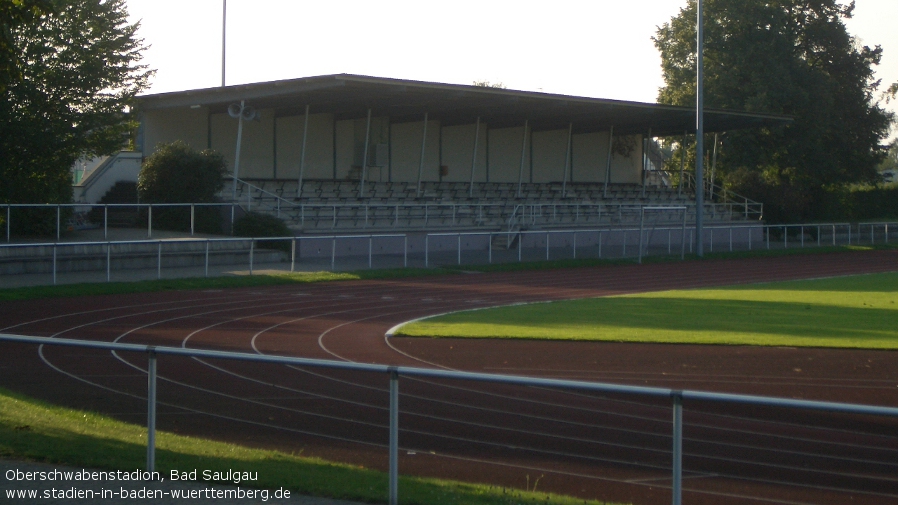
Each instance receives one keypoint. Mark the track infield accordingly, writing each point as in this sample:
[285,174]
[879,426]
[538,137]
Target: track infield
[606,447]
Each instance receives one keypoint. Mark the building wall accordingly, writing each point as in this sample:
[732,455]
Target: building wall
[590,156]
[272,148]
[319,162]
[256,147]
[505,155]
[405,151]
[169,125]
[458,152]
[549,155]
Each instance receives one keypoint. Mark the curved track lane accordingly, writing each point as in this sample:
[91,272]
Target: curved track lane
[613,448]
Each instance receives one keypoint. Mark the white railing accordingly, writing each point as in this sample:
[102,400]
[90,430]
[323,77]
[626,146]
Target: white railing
[676,397]
[445,248]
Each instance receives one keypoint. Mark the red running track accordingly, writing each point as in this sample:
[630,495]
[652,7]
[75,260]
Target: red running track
[595,446]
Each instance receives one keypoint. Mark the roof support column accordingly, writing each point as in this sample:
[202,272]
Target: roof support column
[608,162]
[523,152]
[567,161]
[645,159]
[302,155]
[713,167]
[682,164]
[237,154]
[474,157]
[421,164]
[699,134]
[365,156]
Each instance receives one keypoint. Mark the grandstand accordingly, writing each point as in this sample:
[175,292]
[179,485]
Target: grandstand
[354,153]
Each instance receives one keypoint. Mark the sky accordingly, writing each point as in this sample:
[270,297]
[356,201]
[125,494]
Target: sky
[591,48]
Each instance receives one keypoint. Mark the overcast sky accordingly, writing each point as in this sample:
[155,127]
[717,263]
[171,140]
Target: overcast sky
[594,48]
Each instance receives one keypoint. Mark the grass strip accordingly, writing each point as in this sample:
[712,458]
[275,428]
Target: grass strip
[36,431]
[274,279]
[858,311]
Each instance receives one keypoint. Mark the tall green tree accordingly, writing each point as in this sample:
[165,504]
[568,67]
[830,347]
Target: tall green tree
[69,70]
[792,57]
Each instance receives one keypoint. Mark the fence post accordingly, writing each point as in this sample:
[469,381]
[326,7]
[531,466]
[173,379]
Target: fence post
[489,247]
[54,264]
[547,246]
[8,214]
[151,411]
[159,260]
[459,249]
[683,237]
[677,449]
[108,261]
[58,222]
[206,265]
[394,436]
[150,222]
[192,219]
[641,232]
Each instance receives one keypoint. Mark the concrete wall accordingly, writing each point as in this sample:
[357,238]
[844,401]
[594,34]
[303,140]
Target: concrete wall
[505,155]
[319,163]
[169,125]
[256,148]
[405,151]
[458,152]
[549,153]
[272,148]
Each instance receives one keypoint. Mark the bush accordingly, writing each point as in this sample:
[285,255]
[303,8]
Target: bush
[254,224]
[176,173]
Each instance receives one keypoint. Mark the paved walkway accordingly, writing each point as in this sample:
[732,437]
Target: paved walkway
[155,493]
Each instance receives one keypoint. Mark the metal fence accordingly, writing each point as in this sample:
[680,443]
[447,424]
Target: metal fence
[158,258]
[676,397]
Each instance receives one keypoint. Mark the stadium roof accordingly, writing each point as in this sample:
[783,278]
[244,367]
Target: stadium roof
[350,96]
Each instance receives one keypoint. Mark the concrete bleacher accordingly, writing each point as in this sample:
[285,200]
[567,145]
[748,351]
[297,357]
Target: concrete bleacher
[331,206]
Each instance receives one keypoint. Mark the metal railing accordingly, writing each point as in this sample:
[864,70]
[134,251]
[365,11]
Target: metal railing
[85,208]
[250,248]
[676,396]
[462,247]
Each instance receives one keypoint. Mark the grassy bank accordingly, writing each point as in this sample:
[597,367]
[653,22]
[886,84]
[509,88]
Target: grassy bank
[846,312]
[35,431]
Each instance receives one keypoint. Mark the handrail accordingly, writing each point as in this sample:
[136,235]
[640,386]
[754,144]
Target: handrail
[676,396]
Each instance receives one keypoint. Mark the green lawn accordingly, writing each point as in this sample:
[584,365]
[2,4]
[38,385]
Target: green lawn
[852,312]
[33,430]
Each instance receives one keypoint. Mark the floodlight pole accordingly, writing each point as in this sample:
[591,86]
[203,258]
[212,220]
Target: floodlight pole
[699,135]
[224,26]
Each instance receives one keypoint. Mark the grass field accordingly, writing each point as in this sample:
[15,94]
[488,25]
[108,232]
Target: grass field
[33,430]
[846,312]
